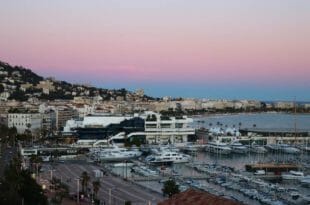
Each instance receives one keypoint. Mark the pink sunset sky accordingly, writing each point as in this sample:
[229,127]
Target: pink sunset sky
[214,49]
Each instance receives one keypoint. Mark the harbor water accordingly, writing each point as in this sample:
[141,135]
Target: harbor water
[260,120]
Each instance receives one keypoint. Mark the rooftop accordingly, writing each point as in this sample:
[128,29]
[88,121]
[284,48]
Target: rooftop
[191,197]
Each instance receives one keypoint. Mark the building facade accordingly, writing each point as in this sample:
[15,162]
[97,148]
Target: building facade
[161,129]
[25,121]
[63,114]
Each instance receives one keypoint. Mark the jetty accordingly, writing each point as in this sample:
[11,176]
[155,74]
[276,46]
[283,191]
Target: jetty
[163,178]
[271,167]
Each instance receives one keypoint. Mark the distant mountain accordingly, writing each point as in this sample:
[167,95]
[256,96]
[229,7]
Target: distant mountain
[19,83]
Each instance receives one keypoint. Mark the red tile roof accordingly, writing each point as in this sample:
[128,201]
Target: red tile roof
[194,197]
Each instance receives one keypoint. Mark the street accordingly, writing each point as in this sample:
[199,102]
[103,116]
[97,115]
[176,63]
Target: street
[113,190]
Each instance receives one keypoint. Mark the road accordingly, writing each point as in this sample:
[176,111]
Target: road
[113,190]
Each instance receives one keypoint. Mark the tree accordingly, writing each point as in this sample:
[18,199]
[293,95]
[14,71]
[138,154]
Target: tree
[170,188]
[85,179]
[18,187]
[61,191]
[35,162]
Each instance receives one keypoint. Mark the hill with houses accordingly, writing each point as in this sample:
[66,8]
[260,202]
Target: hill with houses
[19,83]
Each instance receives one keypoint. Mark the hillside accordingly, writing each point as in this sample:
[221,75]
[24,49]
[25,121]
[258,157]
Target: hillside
[19,83]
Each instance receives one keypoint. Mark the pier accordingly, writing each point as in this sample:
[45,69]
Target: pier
[163,178]
[271,167]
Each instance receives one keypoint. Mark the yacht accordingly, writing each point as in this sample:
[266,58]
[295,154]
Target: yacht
[168,157]
[305,181]
[238,148]
[289,149]
[258,149]
[293,175]
[144,171]
[115,154]
[273,147]
[218,147]
[191,149]
[285,148]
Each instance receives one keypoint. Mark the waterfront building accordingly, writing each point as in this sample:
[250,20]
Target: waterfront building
[161,129]
[103,126]
[150,127]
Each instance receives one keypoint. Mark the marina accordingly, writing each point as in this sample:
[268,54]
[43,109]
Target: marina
[220,161]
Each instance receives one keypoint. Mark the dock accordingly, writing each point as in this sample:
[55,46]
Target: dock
[159,178]
[271,167]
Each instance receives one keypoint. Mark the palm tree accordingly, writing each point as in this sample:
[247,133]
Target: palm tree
[96,187]
[35,162]
[85,179]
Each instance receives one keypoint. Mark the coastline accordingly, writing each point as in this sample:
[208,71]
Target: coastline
[246,113]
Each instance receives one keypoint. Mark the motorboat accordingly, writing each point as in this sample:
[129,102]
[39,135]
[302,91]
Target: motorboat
[291,175]
[238,148]
[260,172]
[218,147]
[305,181]
[305,148]
[144,171]
[168,157]
[115,154]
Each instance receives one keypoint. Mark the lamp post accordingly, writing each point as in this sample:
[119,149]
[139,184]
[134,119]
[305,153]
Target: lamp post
[51,171]
[110,195]
[78,190]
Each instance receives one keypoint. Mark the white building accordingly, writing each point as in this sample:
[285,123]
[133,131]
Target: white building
[158,129]
[94,122]
[24,121]
[161,129]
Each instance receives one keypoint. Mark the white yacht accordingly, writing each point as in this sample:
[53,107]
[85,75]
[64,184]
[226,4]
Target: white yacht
[190,148]
[238,148]
[145,171]
[168,157]
[258,149]
[285,148]
[289,149]
[218,147]
[293,175]
[115,154]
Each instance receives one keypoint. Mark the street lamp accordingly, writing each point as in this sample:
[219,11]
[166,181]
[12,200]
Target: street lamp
[51,171]
[78,191]
[110,195]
